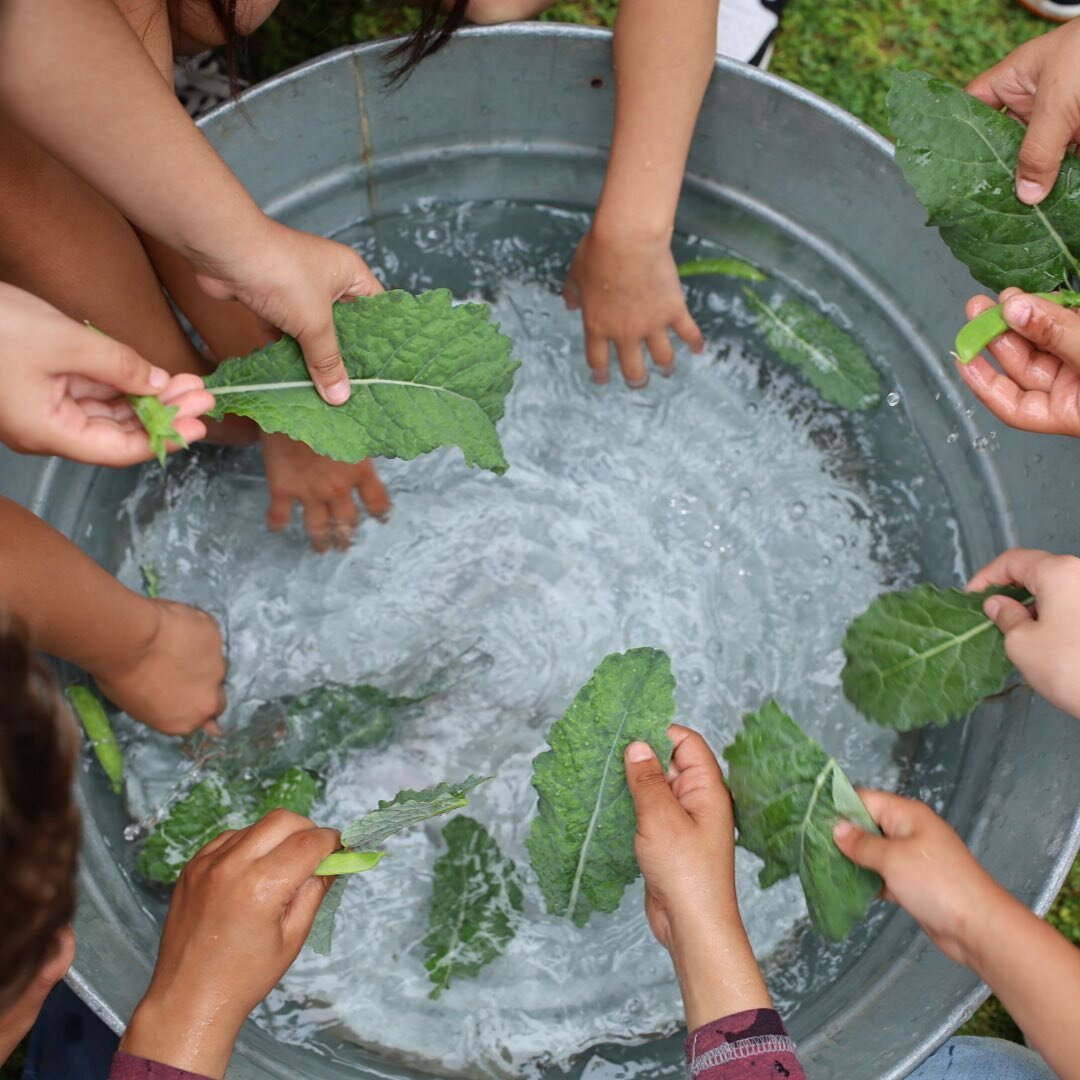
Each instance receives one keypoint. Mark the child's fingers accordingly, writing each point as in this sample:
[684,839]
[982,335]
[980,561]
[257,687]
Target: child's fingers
[696,779]
[322,355]
[280,511]
[861,847]
[689,331]
[976,305]
[1052,126]
[1015,566]
[662,352]
[1052,328]
[291,861]
[112,362]
[598,357]
[373,493]
[632,363]
[1006,613]
[894,814]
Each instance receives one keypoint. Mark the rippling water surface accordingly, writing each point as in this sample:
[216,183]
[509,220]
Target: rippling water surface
[725,515]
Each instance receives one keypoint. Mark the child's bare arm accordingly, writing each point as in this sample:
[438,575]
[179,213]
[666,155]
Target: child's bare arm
[159,661]
[1041,639]
[623,276]
[928,871]
[75,66]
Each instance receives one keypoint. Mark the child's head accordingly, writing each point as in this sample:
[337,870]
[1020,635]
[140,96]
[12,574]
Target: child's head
[39,822]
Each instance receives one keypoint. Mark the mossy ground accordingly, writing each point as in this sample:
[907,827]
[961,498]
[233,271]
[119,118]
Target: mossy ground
[840,50]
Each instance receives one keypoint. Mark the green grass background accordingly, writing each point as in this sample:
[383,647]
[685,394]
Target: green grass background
[839,49]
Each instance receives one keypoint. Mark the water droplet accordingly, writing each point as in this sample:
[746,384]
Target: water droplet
[839,542]
[826,560]
[952,437]
[131,832]
[798,510]
[752,408]
[892,398]
[805,597]
[744,493]
[696,678]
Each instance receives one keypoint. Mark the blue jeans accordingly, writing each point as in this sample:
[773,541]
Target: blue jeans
[68,1041]
[964,1057]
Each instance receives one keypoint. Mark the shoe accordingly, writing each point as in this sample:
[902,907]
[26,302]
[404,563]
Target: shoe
[1057,10]
[745,29]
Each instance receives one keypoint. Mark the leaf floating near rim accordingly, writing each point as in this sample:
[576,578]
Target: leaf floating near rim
[581,843]
[833,362]
[924,656]
[159,422]
[475,899]
[720,267]
[788,795]
[960,157]
[424,372]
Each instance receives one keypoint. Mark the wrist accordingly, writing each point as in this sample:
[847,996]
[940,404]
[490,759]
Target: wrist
[986,925]
[137,621]
[170,1033]
[231,253]
[632,222]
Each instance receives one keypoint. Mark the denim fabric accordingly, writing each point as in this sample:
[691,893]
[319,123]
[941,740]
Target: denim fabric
[68,1041]
[967,1058]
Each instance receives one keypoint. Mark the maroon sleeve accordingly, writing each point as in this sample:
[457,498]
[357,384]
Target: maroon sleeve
[128,1067]
[751,1045]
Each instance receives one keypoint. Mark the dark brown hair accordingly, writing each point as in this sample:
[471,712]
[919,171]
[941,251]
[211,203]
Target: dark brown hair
[437,23]
[39,822]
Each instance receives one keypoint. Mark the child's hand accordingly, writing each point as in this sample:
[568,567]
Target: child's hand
[1042,640]
[290,280]
[324,488]
[238,917]
[629,293]
[66,388]
[20,1017]
[174,684]
[685,847]
[927,870]
[1039,83]
[1038,388]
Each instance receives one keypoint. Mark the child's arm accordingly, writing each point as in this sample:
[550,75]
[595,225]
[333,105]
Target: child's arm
[239,915]
[75,76]
[1038,387]
[623,276]
[1040,83]
[686,849]
[66,388]
[1042,640]
[930,873]
[160,661]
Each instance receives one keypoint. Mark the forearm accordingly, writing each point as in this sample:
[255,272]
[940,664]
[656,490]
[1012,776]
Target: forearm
[1035,973]
[664,55]
[124,131]
[74,609]
[165,1034]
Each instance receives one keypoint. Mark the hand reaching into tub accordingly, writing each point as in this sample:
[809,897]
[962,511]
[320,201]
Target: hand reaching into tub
[1039,83]
[66,388]
[928,870]
[685,846]
[238,917]
[1041,639]
[1038,387]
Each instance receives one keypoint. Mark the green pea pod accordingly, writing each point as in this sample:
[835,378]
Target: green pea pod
[100,733]
[975,335]
[348,862]
[725,267]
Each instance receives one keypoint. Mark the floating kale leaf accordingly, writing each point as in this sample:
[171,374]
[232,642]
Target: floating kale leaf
[425,374]
[924,656]
[788,795]
[581,843]
[833,362]
[475,896]
[960,157]
[404,809]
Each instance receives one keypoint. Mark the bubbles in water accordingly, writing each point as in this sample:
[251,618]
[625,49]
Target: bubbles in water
[952,438]
[798,510]
[892,399]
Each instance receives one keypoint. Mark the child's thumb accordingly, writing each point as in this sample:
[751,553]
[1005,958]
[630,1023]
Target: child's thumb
[1006,613]
[648,784]
[113,363]
[861,847]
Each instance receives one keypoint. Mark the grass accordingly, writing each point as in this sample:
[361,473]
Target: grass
[838,49]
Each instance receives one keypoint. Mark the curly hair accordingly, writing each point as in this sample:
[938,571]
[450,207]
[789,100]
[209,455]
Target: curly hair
[39,822]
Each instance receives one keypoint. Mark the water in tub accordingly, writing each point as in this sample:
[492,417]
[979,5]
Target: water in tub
[725,515]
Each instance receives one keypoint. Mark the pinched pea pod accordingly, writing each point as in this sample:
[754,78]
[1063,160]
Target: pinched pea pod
[348,862]
[100,733]
[980,331]
[725,267]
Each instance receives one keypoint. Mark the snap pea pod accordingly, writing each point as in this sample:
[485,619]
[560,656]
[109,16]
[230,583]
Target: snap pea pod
[726,267]
[348,862]
[100,733]
[975,335]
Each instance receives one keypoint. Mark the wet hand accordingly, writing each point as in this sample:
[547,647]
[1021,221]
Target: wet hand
[630,296]
[290,279]
[67,386]
[1038,387]
[1038,83]
[927,870]
[238,917]
[1042,640]
[174,682]
[325,490]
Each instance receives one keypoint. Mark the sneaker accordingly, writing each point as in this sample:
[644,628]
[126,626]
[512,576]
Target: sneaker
[201,82]
[745,29]
[1057,10]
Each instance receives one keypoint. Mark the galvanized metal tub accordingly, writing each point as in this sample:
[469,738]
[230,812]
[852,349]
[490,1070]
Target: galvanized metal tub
[524,113]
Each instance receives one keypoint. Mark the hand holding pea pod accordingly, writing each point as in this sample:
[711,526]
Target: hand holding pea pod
[1036,342]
